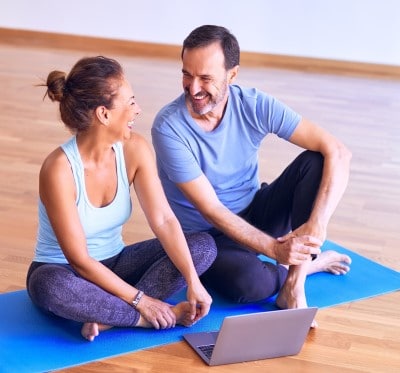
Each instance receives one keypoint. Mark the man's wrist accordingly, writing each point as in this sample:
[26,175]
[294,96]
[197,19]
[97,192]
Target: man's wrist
[270,248]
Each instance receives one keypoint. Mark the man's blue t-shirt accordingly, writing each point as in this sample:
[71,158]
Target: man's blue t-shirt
[228,155]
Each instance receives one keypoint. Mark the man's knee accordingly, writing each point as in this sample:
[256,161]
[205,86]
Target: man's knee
[244,282]
[248,289]
[313,161]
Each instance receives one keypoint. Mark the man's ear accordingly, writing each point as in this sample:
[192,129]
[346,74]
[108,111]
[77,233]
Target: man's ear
[232,74]
[103,115]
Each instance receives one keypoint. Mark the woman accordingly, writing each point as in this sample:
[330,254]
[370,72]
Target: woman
[82,270]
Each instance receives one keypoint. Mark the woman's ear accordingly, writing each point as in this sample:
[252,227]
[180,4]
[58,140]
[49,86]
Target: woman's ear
[103,115]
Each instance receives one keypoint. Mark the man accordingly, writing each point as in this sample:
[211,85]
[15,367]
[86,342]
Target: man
[206,142]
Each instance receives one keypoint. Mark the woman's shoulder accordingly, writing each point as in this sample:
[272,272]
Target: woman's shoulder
[136,143]
[55,163]
[137,153]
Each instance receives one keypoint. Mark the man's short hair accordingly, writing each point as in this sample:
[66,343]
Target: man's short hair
[208,34]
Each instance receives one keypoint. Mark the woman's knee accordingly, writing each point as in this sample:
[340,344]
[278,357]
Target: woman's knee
[46,282]
[203,249]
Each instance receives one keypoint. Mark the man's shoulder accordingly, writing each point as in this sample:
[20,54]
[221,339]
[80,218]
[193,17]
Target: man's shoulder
[244,93]
[173,108]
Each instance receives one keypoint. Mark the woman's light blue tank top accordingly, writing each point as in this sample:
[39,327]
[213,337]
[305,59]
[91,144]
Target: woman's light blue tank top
[102,225]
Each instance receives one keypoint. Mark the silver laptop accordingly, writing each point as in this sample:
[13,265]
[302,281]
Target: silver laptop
[255,336]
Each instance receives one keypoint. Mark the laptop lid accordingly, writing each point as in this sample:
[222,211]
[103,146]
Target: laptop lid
[255,336]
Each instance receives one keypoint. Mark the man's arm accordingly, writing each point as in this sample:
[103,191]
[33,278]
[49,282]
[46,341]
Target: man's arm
[202,195]
[334,177]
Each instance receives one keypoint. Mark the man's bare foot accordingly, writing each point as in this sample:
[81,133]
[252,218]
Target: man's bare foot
[330,261]
[292,293]
[290,298]
[90,330]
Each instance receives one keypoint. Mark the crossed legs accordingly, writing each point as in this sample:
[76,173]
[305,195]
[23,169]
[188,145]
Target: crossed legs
[278,208]
[58,289]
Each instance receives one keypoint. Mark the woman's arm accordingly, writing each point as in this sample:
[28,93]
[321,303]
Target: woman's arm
[58,194]
[163,222]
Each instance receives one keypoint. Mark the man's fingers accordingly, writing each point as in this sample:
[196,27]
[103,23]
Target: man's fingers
[309,250]
[313,241]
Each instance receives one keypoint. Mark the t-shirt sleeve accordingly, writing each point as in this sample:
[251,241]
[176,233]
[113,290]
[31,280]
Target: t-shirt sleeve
[174,156]
[276,117]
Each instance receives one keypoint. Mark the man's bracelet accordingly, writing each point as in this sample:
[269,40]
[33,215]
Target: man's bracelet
[137,299]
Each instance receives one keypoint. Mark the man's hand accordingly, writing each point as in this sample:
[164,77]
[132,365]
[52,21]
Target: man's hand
[312,229]
[294,250]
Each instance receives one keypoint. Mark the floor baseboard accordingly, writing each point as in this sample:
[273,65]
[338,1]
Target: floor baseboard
[133,48]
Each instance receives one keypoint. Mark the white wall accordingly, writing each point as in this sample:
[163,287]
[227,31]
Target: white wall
[347,30]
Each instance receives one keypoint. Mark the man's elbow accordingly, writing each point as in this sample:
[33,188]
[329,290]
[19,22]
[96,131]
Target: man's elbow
[340,153]
[345,154]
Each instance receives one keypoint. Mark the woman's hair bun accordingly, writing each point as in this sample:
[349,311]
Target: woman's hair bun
[56,85]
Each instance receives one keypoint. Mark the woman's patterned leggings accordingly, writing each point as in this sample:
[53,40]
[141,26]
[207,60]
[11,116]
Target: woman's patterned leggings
[58,289]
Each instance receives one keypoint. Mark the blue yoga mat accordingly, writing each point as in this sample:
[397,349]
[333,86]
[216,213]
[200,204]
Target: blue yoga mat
[31,341]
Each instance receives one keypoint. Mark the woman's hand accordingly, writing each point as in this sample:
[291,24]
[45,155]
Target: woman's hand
[199,300]
[156,312]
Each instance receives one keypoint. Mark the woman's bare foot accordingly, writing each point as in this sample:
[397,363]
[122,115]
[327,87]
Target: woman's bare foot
[182,311]
[90,330]
[183,314]
[330,261]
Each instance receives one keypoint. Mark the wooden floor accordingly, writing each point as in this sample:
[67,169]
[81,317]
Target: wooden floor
[362,336]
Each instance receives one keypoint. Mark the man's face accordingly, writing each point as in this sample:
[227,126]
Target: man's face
[205,79]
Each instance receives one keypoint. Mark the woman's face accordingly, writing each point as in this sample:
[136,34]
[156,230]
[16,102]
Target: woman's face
[125,110]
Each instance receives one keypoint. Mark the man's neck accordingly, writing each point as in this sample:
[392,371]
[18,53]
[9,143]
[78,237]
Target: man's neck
[211,120]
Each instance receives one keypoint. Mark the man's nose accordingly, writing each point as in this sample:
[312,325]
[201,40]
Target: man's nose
[194,87]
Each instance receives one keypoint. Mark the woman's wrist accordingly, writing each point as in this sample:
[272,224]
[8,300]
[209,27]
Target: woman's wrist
[136,300]
[193,280]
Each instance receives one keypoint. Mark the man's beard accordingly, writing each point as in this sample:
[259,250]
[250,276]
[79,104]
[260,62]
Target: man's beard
[212,101]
